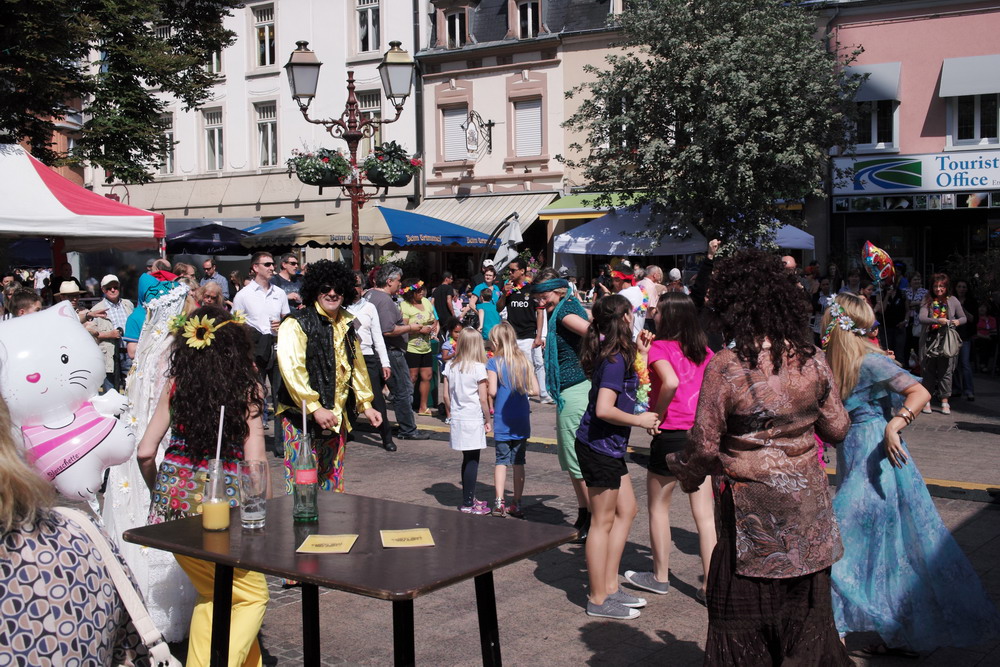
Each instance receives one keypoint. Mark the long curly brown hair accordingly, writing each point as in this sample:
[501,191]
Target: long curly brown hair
[222,373]
[755,297]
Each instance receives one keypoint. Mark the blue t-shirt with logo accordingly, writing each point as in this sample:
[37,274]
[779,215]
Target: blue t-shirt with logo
[599,435]
[511,410]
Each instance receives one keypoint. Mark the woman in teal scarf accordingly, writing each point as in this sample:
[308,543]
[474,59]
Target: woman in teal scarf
[564,377]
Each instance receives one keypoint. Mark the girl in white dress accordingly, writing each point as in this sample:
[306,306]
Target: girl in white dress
[470,412]
[168,592]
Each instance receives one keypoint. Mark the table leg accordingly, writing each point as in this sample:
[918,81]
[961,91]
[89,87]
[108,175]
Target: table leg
[310,624]
[402,632]
[222,610]
[489,633]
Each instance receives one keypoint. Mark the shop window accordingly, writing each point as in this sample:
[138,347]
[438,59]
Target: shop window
[453,134]
[877,125]
[974,120]
[214,153]
[267,134]
[528,128]
[263,18]
[368,26]
[456,25]
[529,19]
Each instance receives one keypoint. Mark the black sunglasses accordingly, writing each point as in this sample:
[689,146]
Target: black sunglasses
[266,263]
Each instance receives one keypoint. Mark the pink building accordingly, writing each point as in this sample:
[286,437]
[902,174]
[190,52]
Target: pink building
[926,181]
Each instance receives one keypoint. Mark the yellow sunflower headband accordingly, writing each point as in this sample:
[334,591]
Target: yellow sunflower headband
[199,332]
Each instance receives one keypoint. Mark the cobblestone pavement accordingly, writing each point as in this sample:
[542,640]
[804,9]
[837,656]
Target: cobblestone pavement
[540,600]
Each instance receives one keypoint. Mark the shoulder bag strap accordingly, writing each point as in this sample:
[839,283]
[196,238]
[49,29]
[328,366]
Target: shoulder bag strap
[150,635]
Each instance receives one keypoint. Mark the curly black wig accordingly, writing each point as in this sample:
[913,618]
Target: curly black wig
[755,297]
[221,373]
[324,276]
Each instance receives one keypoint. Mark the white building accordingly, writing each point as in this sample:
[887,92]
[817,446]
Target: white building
[229,160]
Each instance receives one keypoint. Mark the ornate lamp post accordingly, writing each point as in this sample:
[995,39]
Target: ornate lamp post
[397,71]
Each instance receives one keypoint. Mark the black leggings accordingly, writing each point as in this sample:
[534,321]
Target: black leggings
[470,470]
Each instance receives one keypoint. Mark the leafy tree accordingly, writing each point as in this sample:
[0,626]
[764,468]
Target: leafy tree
[110,56]
[713,112]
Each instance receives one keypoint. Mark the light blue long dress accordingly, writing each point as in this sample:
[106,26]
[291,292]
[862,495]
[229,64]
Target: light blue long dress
[902,574]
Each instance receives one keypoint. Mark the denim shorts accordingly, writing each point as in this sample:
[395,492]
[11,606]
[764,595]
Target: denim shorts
[511,452]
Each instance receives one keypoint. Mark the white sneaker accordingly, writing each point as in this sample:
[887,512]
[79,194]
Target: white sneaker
[945,409]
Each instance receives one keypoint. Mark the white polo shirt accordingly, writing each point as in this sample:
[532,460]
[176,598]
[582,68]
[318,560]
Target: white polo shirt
[261,305]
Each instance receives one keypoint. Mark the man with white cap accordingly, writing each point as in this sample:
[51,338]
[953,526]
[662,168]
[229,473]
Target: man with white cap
[116,310]
[481,276]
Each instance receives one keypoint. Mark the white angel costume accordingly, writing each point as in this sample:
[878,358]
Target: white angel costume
[167,590]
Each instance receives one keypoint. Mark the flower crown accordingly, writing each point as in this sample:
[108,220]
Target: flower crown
[839,318]
[412,288]
[199,332]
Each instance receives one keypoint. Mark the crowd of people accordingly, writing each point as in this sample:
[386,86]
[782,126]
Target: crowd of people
[736,377]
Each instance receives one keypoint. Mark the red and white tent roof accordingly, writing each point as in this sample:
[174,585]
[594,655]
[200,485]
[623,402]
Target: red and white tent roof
[36,201]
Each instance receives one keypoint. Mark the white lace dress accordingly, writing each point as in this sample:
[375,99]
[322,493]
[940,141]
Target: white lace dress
[168,592]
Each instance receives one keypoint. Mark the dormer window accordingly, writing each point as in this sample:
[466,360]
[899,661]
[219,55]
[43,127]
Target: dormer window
[529,19]
[456,25]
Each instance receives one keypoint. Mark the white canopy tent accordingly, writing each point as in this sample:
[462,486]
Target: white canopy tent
[615,234]
[36,201]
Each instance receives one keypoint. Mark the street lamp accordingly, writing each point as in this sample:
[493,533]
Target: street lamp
[398,73]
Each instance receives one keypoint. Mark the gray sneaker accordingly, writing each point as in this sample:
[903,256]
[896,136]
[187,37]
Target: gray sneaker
[647,582]
[626,600]
[611,609]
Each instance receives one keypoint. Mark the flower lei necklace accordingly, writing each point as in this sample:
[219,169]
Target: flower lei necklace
[199,332]
[839,318]
[643,308]
[939,309]
[517,287]
[642,391]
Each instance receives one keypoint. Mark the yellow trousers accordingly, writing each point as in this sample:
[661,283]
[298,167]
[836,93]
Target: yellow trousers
[250,598]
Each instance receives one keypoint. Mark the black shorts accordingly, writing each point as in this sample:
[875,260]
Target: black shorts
[417,360]
[665,442]
[600,470]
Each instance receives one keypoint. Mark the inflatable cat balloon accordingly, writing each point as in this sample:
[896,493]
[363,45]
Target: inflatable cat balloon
[50,371]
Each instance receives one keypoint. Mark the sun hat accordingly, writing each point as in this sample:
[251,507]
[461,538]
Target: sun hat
[69,287]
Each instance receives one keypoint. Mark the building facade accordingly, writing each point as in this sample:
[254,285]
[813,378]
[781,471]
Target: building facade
[229,157]
[926,173]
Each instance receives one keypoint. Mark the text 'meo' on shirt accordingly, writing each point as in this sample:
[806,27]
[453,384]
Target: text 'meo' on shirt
[389,316]
[599,435]
[511,410]
[522,313]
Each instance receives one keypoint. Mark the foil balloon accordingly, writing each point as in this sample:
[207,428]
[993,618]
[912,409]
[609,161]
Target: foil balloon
[878,264]
[50,373]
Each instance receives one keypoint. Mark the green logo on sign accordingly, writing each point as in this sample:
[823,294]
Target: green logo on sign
[891,173]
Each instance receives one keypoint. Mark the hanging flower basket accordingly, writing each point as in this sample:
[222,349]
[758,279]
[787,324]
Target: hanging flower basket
[322,167]
[390,166]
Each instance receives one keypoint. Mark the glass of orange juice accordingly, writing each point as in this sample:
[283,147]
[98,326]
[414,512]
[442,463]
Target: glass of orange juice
[214,504]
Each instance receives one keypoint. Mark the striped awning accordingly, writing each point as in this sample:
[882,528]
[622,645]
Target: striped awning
[484,212]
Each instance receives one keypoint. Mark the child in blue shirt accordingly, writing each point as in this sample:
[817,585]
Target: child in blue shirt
[511,380]
[489,317]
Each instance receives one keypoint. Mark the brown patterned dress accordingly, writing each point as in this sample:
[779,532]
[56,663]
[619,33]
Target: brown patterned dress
[768,588]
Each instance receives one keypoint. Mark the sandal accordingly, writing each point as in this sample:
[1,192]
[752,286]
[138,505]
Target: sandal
[425,413]
[883,650]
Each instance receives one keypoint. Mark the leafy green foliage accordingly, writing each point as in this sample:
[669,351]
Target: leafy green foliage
[714,111]
[106,57]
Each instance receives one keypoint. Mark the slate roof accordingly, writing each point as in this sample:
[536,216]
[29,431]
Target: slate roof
[488,21]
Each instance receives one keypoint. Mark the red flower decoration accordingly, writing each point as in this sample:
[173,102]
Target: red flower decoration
[326,159]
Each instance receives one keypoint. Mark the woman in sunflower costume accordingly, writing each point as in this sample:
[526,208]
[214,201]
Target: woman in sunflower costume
[323,368]
[208,345]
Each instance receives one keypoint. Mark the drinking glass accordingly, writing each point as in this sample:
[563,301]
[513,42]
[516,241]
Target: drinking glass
[253,493]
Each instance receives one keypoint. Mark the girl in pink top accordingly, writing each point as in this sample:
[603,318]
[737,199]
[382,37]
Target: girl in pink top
[677,359]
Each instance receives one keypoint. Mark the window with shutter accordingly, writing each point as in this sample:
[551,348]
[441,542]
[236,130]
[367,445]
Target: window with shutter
[528,128]
[454,135]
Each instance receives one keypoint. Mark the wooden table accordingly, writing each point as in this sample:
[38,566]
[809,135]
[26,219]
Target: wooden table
[466,546]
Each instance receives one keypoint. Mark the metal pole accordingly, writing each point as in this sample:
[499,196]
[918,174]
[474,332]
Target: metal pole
[355,232]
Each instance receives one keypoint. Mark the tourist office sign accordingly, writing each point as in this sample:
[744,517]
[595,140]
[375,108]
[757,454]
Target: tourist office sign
[962,179]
